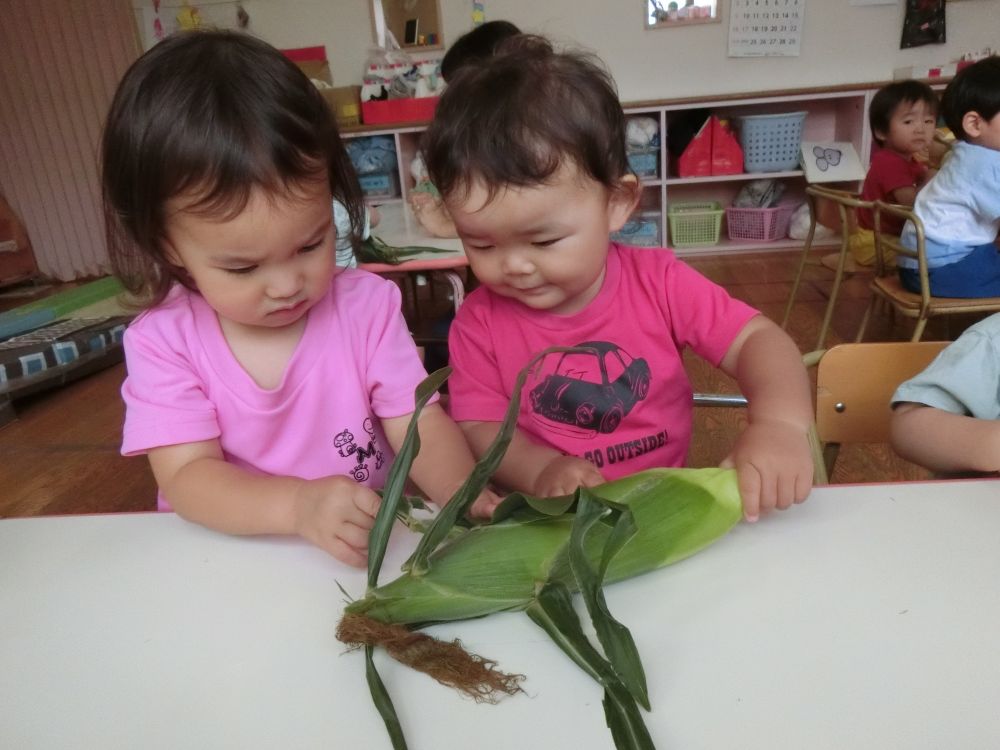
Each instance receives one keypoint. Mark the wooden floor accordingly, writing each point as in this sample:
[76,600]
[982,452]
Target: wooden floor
[61,455]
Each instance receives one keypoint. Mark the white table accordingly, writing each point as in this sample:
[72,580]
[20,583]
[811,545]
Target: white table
[867,618]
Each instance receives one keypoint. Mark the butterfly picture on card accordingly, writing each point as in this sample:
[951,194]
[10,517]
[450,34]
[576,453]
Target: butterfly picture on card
[831,161]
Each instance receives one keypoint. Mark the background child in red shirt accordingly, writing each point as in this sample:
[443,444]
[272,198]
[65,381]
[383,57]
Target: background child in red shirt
[902,117]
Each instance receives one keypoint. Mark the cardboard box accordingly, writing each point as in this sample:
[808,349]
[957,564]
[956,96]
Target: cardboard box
[345,103]
[312,62]
[399,110]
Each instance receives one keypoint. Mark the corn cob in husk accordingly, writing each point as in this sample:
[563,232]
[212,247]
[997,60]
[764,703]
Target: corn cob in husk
[531,557]
[498,567]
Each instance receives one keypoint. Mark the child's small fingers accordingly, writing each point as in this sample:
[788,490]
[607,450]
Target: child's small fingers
[347,554]
[354,536]
[749,483]
[803,486]
[367,502]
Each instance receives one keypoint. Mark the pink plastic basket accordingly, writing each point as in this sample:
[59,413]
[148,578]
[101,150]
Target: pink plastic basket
[759,224]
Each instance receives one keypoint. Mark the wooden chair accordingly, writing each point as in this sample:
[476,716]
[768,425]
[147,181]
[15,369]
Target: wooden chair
[886,286]
[847,204]
[854,383]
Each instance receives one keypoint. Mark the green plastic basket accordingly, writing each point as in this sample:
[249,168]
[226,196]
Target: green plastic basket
[695,223]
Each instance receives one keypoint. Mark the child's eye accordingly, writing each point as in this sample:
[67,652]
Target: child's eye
[241,271]
[545,243]
[310,248]
[479,247]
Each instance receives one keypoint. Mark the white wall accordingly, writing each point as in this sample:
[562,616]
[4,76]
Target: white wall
[841,43]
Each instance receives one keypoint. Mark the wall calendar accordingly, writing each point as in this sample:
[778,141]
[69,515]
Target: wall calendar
[765,28]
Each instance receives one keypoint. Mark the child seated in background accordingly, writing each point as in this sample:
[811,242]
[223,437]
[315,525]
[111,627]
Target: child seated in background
[902,118]
[534,203]
[960,207]
[947,418]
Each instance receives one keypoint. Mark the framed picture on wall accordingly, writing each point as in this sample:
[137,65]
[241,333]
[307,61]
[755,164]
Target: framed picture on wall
[661,14]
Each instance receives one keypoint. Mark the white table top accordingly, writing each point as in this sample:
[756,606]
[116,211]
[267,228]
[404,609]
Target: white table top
[399,226]
[867,618]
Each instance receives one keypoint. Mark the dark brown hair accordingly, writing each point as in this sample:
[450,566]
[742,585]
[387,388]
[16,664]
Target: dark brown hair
[214,114]
[516,118]
[973,89]
[889,97]
[476,46]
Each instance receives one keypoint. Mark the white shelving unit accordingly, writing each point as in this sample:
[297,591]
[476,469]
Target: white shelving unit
[833,114]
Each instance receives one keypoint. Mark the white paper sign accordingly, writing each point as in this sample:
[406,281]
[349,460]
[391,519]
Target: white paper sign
[831,161]
[765,28]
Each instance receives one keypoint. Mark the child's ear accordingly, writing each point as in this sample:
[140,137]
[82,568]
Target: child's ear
[880,136]
[972,124]
[170,254]
[622,201]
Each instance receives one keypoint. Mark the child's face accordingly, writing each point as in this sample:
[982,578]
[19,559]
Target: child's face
[911,128]
[544,246]
[266,267]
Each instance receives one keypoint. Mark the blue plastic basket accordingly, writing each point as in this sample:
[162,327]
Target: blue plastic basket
[771,142]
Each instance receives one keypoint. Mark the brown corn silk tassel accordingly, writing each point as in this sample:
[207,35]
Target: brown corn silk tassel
[448,663]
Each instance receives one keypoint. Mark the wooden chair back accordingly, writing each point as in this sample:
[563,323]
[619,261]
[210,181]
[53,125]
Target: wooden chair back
[846,204]
[854,383]
[886,285]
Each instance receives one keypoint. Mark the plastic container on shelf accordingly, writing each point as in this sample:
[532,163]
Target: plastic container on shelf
[771,142]
[759,224]
[645,162]
[379,185]
[641,230]
[695,223]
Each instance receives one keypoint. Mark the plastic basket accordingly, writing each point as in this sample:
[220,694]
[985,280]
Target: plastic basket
[771,142]
[645,162]
[695,223]
[759,223]
[641,230]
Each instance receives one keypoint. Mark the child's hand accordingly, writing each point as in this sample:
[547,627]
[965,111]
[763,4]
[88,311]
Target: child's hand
[564,474]
[336,513]
[485,504]
[773,465]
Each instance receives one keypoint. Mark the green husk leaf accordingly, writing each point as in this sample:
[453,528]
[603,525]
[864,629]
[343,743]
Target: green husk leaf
[378,538]
[552,610]
[615,638]
[382,701]
[480,477]
[375,250]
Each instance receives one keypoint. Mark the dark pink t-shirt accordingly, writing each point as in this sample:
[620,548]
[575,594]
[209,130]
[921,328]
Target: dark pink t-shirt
[624,404]
[888,171]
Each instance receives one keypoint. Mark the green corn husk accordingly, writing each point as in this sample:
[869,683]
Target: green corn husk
[531,557]
[374,250]
[498,567]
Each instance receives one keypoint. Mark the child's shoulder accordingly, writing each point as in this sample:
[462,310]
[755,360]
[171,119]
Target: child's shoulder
[178,310]
[350,284]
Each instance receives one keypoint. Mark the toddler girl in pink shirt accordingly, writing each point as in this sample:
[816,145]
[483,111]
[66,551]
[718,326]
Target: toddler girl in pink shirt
[268,387]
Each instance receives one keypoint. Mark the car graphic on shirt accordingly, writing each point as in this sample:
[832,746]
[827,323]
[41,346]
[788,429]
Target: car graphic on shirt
[593,390]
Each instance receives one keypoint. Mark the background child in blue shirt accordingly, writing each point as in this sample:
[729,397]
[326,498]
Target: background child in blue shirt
[960,207]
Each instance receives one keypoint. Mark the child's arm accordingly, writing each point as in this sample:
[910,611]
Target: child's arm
[771,456]
[943,441]
[444,461]
[904,196]
[335,513]
[532,468]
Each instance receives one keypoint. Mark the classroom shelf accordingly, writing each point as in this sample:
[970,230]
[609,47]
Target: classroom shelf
[833,114]
[731,177]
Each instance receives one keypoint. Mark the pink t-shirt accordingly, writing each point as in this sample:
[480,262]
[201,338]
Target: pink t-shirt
[354,365]
[888,171]
[625,405]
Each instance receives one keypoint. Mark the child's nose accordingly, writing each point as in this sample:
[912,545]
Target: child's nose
[516,262]
[283,284]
